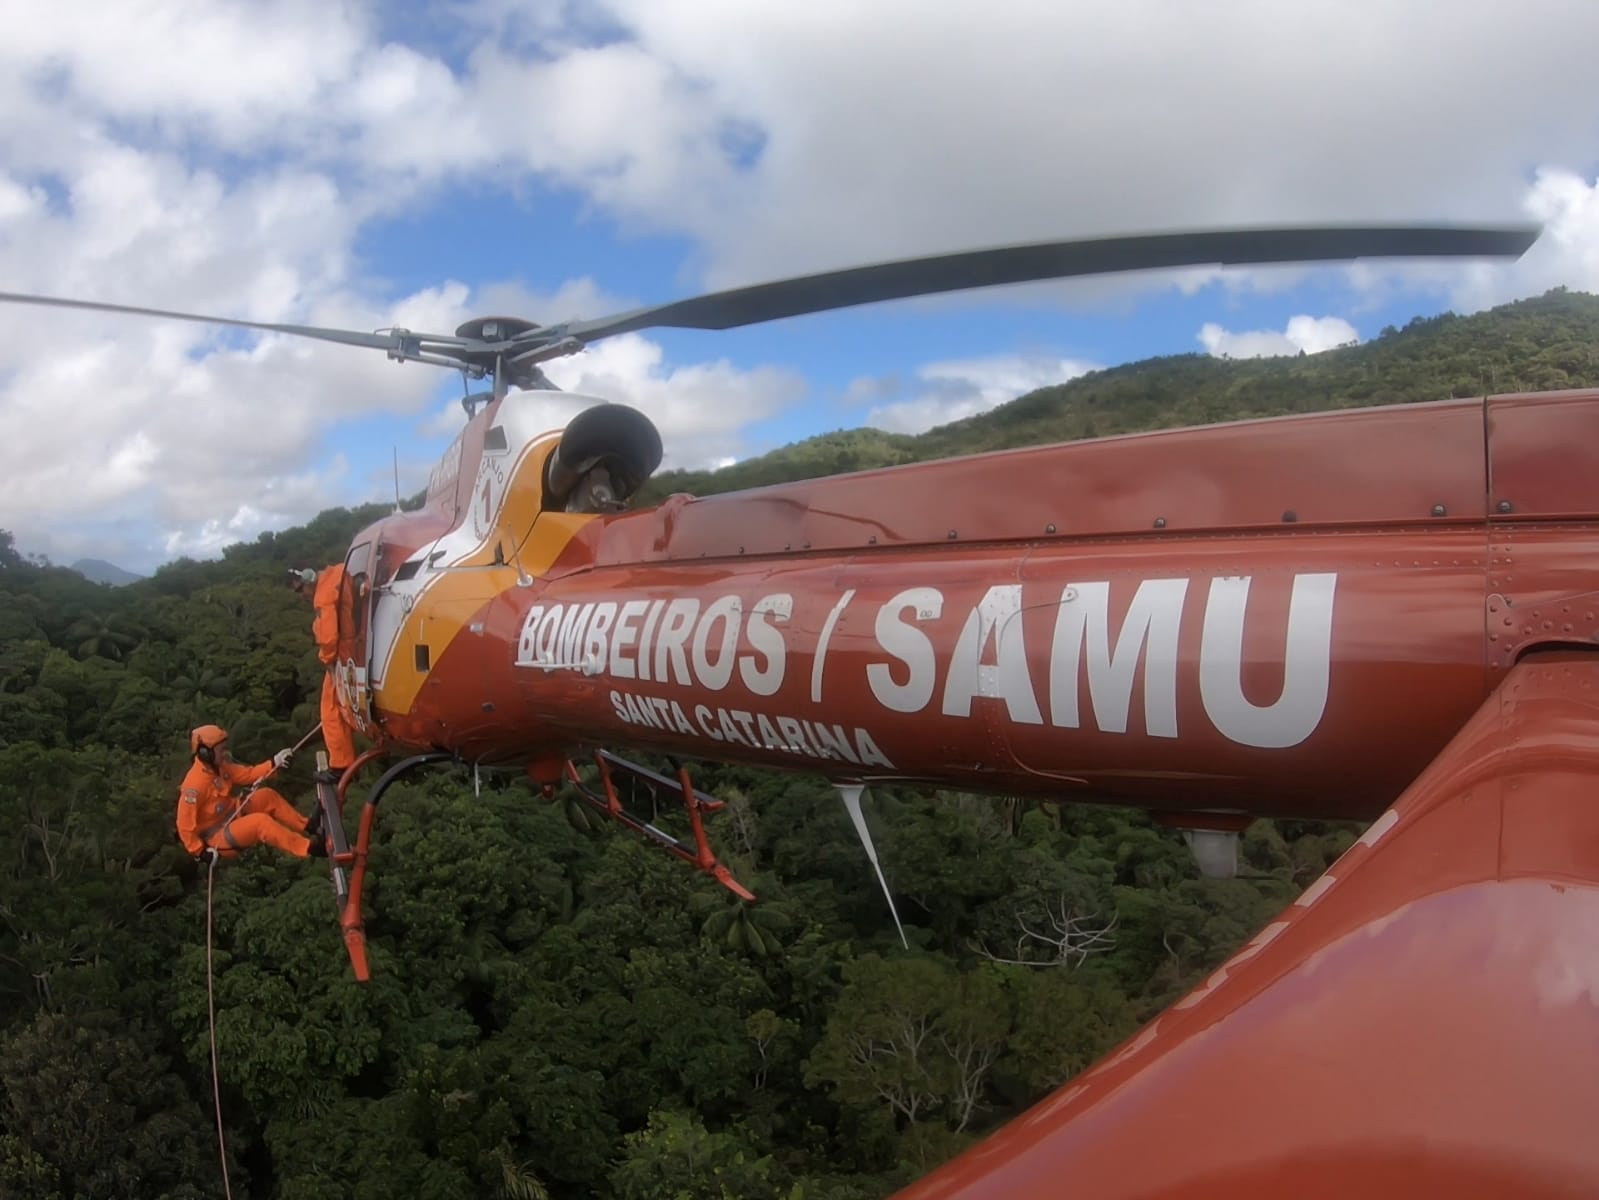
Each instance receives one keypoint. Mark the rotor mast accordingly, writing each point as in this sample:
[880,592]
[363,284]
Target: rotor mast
[508,351]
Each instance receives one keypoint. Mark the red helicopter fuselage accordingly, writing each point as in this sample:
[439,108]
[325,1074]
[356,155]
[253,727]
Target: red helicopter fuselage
[1279,617]
[1386,614]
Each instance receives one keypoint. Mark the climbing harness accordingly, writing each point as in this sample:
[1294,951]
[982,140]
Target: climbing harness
[239,808]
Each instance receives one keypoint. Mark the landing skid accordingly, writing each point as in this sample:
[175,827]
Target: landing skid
[607,801]
[346,863]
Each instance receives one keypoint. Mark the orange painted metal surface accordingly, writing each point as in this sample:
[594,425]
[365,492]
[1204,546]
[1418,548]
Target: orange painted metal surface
[868,675]
[1423,1021]
[1175,642]
[1349,468]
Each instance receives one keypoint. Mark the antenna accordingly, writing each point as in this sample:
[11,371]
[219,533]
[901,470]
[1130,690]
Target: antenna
[396,478]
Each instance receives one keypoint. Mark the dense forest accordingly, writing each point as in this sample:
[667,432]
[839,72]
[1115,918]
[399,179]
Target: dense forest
[557,1009]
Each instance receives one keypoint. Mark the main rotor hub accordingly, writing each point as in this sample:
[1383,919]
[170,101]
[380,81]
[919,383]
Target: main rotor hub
[494,329]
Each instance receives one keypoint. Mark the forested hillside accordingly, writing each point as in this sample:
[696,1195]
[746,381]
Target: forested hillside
[559,1010]
[1543,344]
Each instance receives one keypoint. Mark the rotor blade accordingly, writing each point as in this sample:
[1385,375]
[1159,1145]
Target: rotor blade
[1058,260]
[348,337]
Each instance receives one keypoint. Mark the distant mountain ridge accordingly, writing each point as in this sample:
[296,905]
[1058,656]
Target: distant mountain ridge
[1545,343]
[97,570]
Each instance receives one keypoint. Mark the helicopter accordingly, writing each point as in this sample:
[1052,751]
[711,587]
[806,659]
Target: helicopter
[1388,615]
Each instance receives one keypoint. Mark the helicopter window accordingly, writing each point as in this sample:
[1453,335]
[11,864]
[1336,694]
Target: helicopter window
[495,439]
[408,569]
[357,585]
[390,561]
[359,560]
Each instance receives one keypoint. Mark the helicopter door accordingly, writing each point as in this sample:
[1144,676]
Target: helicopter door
[355,612]
[396,589]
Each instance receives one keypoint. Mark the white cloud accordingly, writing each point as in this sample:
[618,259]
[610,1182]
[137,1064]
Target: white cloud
[1566,204]
[231,158]
[1304,335]
[232,72]
[898,128]
[949,391]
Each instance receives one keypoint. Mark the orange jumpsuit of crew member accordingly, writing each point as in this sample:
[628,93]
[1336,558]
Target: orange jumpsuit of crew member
[207,801]
[325,628]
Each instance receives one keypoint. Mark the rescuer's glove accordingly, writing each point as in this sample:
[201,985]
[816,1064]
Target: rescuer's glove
[282,758]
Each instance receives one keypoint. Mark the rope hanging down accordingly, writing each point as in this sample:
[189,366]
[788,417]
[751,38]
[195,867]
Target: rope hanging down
[211,1005]
[210,976]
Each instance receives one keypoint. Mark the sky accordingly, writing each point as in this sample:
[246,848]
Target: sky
[363,165]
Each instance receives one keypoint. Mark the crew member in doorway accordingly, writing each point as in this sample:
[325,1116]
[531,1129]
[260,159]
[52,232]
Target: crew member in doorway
[217,817]
[322,589]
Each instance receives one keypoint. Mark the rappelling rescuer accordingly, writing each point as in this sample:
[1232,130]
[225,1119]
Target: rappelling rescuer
[322,589]
[218,816]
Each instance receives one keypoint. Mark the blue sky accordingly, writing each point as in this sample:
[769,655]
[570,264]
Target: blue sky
[359,165]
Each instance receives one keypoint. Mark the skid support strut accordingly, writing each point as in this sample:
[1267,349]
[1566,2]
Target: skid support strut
[606,799]
[348,863]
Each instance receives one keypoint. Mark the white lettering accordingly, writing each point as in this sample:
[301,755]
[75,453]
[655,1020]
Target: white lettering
[525,645]
[1008,679]
[770,733]
[729,730]
[593,659]
[702,714]
[549,628]
[715,674]
[1307,661]
[819,663]
[680,616]
[832,741]
[568,650]
[911,646]
[768,643]
[681,718]
[870,753]
[793,735]
[746,722]
[769,737]
[1150,628]
[646,639]
[622,638]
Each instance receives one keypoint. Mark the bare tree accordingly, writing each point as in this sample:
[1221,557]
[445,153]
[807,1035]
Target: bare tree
[738,824]
[1056,937]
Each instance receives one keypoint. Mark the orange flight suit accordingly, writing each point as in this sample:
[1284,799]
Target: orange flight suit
[208,798]
[325,628]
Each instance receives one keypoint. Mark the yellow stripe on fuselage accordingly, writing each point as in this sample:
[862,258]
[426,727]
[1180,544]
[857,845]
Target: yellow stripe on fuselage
[462,590]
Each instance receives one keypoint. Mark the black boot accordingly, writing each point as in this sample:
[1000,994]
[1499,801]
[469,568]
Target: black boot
[331,775]
[313,827]
[317,848]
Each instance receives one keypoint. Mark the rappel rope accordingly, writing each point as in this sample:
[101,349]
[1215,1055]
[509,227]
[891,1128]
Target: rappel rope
[211,1005]
[210,977]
